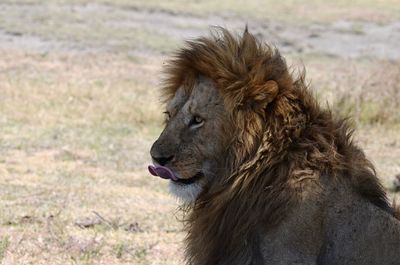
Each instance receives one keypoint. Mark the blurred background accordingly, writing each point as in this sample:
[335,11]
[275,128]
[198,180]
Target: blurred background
[79,110]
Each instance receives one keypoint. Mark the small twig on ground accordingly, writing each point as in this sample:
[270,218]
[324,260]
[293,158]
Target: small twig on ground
[104,220]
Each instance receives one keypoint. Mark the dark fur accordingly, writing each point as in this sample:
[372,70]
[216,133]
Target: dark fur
[282,136]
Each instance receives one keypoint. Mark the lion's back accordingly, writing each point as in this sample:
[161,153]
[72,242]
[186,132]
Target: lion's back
[359,232]
[334,225]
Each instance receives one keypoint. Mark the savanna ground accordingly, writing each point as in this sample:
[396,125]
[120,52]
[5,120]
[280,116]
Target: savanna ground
[79,110]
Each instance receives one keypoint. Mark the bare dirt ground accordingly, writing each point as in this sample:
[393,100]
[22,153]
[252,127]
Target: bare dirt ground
[79,110]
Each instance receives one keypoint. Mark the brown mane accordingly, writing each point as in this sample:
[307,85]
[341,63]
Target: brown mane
[282,137]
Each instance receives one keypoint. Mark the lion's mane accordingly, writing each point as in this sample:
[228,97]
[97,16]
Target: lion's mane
[282,137]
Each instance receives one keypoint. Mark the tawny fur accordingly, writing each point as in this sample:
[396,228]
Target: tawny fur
[283,140]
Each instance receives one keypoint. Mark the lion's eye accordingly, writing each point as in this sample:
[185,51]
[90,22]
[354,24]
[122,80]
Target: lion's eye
[196,122]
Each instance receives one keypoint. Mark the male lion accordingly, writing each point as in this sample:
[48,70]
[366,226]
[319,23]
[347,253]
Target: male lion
[267,176]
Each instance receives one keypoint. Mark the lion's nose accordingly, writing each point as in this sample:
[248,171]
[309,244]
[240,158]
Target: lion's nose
[162,160]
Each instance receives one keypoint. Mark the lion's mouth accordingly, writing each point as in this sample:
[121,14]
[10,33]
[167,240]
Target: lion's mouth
[190,180]
[166,173]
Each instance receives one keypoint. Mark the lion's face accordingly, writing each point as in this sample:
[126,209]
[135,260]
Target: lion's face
[194,142]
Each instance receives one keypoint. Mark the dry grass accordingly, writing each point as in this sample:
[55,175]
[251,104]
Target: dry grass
[366,90]
[73,142]
[77,120]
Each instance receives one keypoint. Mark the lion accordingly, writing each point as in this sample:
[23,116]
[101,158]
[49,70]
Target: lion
[265,175]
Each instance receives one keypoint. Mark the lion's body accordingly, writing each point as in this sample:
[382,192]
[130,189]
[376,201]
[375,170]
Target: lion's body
[282,182]
[337,226]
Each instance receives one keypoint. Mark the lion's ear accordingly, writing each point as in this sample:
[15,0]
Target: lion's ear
[261,95]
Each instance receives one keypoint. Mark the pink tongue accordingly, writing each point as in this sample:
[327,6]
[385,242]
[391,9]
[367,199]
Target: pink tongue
[162,172]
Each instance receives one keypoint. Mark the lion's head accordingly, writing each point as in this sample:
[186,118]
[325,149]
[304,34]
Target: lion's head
[218,91]
[194,142]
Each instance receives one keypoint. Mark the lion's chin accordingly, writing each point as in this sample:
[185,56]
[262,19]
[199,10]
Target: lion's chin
[187,193]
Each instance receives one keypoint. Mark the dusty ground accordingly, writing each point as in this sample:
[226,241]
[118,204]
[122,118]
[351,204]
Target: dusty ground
[79,111]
